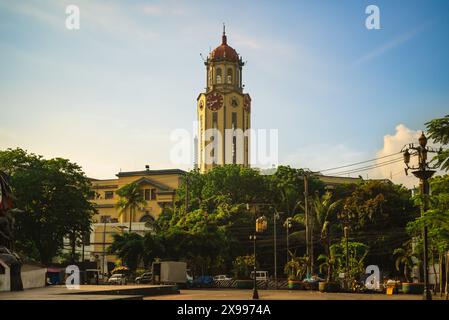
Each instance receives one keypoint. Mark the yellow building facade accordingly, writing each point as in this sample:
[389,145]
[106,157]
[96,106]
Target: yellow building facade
[223,111]
[157,187]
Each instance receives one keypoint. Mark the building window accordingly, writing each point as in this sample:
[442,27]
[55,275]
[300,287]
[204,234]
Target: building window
[218,75]
[153,194]
[109,194]
[234,120]
[147,194]
[209,77]
[214,120]
[229,76]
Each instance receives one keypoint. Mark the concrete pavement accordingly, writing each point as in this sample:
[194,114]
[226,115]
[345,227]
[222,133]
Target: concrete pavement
[235,294]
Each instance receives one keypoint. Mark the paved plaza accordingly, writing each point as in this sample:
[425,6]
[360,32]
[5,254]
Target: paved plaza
[93,293]
[88,292]
[230,294]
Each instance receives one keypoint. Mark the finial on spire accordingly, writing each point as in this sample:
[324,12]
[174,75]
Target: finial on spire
[223,38]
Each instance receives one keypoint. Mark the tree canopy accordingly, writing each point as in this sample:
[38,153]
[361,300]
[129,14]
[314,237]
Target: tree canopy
[53,195]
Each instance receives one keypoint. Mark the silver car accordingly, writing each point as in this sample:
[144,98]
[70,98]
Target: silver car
[117,278]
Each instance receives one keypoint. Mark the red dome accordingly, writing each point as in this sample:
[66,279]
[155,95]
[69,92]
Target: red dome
[224,52]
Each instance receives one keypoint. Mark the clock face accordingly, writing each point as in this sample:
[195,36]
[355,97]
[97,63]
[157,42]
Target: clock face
[247,104]
[214,101]
[234,102]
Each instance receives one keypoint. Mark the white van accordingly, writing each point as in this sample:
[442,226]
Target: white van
[260,275]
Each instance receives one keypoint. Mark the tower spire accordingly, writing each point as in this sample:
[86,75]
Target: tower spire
[223,37]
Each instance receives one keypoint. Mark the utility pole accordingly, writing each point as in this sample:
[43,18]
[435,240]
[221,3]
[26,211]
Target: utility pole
[275,217]
[104,219]
[187,193]
[423,173]
[306,208]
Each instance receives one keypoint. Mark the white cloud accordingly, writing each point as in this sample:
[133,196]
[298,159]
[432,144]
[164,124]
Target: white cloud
[393,144]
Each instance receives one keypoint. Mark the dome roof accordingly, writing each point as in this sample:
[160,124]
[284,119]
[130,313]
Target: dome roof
[224,52]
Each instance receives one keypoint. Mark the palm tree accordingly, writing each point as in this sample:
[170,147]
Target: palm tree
[404,258]
[296,268]
[322,209]
[328,263]
[130,199]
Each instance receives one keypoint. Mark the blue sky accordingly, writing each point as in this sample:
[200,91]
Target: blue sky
[108,95]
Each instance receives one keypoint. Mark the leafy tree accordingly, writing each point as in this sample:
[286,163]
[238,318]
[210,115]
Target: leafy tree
[380,211]
[439,132]
[296,267]
[153,248]
[54,197]
[287,189]
[129,247]
[357,256]
[436,219]
[405,258]
[243,265]
[130,198]
[328,263]
[323,209]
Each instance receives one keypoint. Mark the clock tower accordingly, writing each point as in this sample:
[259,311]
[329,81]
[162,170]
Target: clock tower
[223,111]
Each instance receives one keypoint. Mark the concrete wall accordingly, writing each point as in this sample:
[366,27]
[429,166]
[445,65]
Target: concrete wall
[5,284]
[34,278]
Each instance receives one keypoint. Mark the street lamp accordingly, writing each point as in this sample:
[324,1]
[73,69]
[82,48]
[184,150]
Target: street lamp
[276,215]
[261,226]
[423,172]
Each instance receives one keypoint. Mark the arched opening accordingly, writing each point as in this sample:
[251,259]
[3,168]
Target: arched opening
[146,218]
[229,75]
[219,75]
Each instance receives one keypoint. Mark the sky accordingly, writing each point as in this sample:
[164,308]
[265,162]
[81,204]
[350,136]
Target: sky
[109,95]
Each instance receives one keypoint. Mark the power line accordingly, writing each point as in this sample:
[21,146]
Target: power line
[370,167]
[361,162]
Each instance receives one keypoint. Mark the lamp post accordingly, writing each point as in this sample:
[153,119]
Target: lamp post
[423,171]
[255,293]
[261,226]
[275,217]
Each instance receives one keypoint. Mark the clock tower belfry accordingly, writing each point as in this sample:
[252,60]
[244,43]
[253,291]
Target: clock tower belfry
[223,111]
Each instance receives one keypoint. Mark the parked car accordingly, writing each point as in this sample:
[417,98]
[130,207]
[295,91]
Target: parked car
[221,277]
[260,275]
[146,277]
[203,282]
[117,278]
